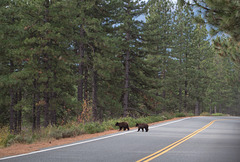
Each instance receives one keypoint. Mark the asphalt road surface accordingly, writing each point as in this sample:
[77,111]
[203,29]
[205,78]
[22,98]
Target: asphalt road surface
[197,139]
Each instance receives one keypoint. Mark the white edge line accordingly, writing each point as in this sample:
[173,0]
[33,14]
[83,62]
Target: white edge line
[87,141]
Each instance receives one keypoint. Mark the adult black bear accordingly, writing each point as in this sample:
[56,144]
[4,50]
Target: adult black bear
[123,125]
[142,126]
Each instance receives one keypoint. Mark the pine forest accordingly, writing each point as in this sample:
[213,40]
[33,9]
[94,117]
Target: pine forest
[94,60]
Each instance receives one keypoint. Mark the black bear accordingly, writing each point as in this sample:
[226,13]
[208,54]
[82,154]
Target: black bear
[142,126]
[123,125]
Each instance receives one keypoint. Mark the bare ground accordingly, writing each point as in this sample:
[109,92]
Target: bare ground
[18,148]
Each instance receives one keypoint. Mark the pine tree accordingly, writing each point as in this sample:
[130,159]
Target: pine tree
[128,31]
[47,46]
[188,51]
[182,51]
[12,61]
[94,43]
[201,48]
[158,37]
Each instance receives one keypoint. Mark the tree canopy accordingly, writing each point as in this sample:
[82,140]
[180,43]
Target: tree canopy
[223,17]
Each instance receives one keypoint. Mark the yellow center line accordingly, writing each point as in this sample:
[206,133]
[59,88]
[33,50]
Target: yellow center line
[171,146]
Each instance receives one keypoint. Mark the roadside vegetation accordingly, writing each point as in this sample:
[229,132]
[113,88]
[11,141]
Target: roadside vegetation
[73,128]
[213,114]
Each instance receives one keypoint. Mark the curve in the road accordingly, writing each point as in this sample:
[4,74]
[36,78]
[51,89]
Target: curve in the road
[175,144]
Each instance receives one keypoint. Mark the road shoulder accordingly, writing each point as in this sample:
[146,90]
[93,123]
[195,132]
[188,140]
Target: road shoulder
[18,148]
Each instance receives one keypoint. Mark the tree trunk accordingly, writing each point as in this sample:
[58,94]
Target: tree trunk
[34,112]
[35,108]
[47,68]
[12,112]
[46,110]
[180,100]
[53,110]
[16,114]
[164,75]
[126,86]
[86,84]
[180,89]
[19,122]
[197,111]
[164,92]
[53,116]
[127,66]
[38,115]
[185,96]
[15,121]
[220,108]
[186,82]
[81,66]
[53,106]
[94,95]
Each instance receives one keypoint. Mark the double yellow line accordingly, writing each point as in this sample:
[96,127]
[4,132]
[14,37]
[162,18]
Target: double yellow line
[175,144]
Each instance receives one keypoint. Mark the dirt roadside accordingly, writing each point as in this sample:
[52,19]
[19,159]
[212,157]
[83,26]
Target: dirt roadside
[17,149]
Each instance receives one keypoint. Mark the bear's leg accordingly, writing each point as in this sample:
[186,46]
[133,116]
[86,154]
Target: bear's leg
[142,129]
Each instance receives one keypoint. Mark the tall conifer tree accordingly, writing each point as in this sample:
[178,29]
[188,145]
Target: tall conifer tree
[128,30]
[158,39]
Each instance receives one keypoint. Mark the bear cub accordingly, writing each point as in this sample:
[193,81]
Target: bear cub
[123,125]
[142,126]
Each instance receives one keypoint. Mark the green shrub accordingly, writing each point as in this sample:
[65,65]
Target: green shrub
[55,133]
[218,114]
[20,139]
[180,115]
[157,118]
[9,140]
[109,124]
[140,120]
[78,130]
[205,114]
[4,133]
[23,139]
[68,133]
[93,127]
[148,119]
[190,114]
[36,136]
[167,115]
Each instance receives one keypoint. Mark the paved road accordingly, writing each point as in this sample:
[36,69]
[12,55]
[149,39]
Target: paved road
[198,139]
